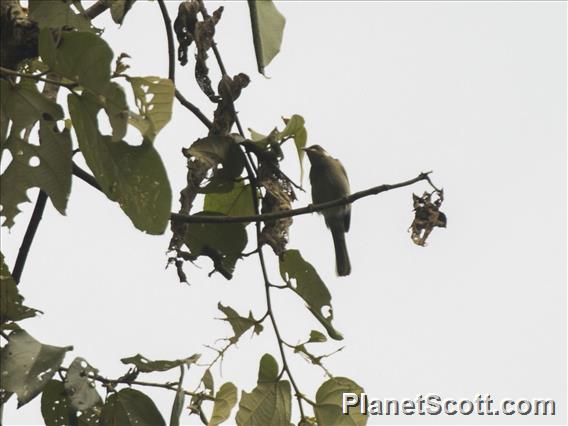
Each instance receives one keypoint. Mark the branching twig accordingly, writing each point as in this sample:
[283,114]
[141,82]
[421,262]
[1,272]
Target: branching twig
[196,111]
[37,77]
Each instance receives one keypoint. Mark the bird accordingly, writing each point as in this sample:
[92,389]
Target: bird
[329,181]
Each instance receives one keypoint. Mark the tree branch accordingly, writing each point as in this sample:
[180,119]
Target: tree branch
[7,71]
[170,36]
[296,212]
[95,10]
[196,111]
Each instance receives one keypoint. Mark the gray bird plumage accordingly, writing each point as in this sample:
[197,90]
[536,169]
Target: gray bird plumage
[329,182]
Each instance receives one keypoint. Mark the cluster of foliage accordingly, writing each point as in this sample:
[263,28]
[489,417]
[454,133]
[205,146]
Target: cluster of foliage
[240,180]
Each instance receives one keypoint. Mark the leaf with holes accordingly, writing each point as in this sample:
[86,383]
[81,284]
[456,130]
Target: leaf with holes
[270,402]
[130,407]
[80,387]
[11,302]
[237,202]
[154,99]
[47,166]
[267,29]
[225,400]
[309,287]
[134,176]
[56,408]
[145,365]
[69,60]
[27,365]
[329,403]
[25,105]
[239,324]
[57,14]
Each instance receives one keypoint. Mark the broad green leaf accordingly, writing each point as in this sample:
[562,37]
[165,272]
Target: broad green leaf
[223,243]
[329,400]
[225,400]
[56,408]
[295,128]
[11,302]
[268,370]
[130,407]
[218,185]
[310,287]
[177,407]
[25,105]
[117,110]
[267,28]
[145,365]
[134,176]
[80,387]
[154,99]
[47,166]
[69,59]
[270,402]
[119,8]
[57,14]
[237,202]
[220,149]
[27,365]
[239,324]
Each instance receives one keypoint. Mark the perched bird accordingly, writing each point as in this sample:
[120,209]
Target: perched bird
[329,182]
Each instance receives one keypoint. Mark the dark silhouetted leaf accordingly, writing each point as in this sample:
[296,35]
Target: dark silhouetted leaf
[55,405]
[130,407]
[11,302]
[221,149]
[267,29]
[145,365]
[310,287]
[27,365]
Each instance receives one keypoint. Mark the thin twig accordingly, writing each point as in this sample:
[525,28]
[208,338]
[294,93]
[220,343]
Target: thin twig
[196,111]
[170,36]
[95,10]
[296,212]
[36,77]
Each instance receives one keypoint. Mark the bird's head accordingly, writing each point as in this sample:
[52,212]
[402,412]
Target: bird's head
[315,152]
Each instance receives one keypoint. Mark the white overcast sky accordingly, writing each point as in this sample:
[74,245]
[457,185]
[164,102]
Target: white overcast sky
[474,91]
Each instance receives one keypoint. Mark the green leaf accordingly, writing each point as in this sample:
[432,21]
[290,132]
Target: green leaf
[267,28]
[117,110]
[47,166]
[220,149]
[134,176]
[329,400]
[119,8]
[11,302]
[69,60]
[268,371]
[295,128]
[237,202]
[223,243]
[27,365]
[154,99]
[239,324]
[55,405]
[130,407]
[145,365]
[177,407]
[225,400]
[309,287]
[270,402]
[80,387]
[25,105]
[217,185]
[208,381]
[316,337]
[57,14]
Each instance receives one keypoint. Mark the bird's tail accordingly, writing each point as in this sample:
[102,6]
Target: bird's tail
[341,256]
